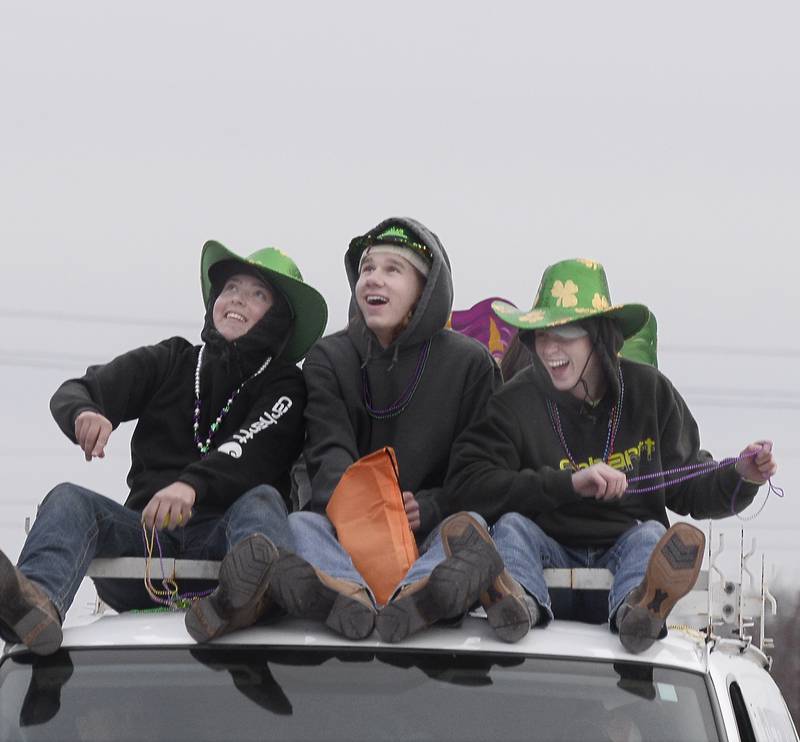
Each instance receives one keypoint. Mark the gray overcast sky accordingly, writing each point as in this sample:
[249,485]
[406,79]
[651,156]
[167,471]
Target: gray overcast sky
[660,139]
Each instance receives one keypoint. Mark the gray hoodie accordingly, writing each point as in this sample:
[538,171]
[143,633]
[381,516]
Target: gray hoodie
[458,378]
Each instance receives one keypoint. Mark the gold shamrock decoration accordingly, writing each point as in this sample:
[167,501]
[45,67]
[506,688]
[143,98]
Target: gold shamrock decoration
[535,315]
[565,293]
[600,302]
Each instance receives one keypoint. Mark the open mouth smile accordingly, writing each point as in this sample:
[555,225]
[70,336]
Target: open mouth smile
[235,315]
[374,300]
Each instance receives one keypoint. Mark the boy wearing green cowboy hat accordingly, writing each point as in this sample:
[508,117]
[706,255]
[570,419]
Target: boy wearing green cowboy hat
[640,347]
[218,426]
[550,459]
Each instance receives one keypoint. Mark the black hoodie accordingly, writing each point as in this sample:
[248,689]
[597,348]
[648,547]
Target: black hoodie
[458,378]
[512,460]
[257,440]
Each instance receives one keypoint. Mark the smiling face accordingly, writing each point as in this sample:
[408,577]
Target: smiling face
[243,301]
[569,359]
[387,289]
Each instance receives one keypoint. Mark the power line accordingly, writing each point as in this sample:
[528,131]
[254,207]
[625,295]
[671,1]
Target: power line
[677,348]
[44,359]
[730,350]
[680,348]
[714,391]
[94,318]
[759,404]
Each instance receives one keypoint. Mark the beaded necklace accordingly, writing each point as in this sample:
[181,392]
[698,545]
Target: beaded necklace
[679,474]
[170,596]
[613,424]
[403,400]
[204,446]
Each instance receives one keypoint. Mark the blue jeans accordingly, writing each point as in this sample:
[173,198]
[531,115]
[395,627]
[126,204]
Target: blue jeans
[527,550]
[315,540]
[74,525]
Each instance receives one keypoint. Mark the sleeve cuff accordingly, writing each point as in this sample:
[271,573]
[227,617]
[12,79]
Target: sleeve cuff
[429,516]
[198,485]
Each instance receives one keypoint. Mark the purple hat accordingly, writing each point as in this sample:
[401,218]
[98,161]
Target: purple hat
[481,323]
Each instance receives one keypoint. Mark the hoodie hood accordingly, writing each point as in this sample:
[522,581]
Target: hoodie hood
[433,307]
[268,337]
[606,340]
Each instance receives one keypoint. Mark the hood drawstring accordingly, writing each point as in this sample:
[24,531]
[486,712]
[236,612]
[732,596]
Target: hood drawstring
[368,352]
[395,356]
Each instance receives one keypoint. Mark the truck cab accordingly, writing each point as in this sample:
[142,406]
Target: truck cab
[139,676]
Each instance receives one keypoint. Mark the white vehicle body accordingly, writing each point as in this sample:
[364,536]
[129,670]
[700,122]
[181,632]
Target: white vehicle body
[567,681]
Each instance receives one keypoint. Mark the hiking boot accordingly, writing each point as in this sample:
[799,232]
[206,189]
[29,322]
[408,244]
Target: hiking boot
[240,598]
[304,591]
[27,611]
[671,574]
[454,585]
[508,607]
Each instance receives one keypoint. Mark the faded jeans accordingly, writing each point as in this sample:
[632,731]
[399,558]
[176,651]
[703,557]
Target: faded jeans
[527,550]
[74,525]
[315,540]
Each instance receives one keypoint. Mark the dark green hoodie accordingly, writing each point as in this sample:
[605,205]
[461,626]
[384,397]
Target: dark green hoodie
[512,460]
[458,378]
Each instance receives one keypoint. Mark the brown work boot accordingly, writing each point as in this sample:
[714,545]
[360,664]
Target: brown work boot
[511,612]
[671,574]
[508,608]
[304,591]
[27,611]
[454,585]
[240,598]
[415,607]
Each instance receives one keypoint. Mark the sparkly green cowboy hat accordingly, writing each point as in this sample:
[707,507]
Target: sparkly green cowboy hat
[308,307]
[573,290]
[642,346]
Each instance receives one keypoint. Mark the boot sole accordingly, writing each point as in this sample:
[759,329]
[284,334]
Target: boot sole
[671,573]
[35,628]
[454,585]
[506,611]
[402,617]
[351,618]
[299,591]
[243,579]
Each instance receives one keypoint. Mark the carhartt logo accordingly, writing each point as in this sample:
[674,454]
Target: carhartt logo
[267,419]
[622,460]
[232,448]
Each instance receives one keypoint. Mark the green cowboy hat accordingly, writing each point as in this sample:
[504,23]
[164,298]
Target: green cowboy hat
[573,290]
[642,346]
[279,270]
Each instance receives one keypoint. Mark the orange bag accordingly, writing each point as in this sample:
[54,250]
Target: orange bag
[366,508]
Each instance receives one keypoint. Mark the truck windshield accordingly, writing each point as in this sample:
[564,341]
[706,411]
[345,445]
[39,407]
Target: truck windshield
[255,693]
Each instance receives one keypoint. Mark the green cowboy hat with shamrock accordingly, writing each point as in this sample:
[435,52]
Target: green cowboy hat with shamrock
[572,290]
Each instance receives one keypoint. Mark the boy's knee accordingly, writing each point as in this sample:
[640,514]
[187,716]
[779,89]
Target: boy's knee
[304,522]
[651,531]
[65,495]
[516,524]
[260,500]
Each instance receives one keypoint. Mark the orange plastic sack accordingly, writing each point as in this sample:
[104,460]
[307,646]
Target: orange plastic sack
[366,508]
